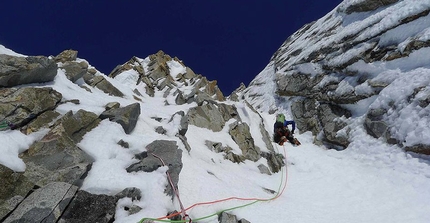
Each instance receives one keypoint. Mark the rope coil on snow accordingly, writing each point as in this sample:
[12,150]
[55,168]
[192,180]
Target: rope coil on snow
[254,200]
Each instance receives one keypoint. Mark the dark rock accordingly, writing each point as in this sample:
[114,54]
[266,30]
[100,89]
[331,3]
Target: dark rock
[168,151]
[134,209]
[16,71]
[305,113]
[183,124]
[234,96]
[215,146]
[368,5]
[66,55]
[41,121]
[21,106]
[235,158]
[185,142]
[127,116]
[75,70]
[177,217]
[78,124]
[275,161]
[112,105]
[180,100]
[375,124]
[267,139]
[421,149]
[243,221]
[123,144]
[87,207]
[296,85]
[45,204]
[240,133]
[160,130]
[101,83]
[264,169]
[141,156]
[212,116]
[225,217]
[56,157]
[73,101]
[131,192]
[14,187]
[329,115]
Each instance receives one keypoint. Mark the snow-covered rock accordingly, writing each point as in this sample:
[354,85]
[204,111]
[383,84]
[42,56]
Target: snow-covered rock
[374,53]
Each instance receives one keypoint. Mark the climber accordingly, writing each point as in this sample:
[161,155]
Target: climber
[281,132]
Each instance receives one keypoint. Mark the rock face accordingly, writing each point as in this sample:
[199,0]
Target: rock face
[101,83]
[14,186]
[211,116]
[56,156]
[160,153]
[353,55]
[20,106]
[45,204]
[87,207]
[241,135]
[126,117]
[26,70]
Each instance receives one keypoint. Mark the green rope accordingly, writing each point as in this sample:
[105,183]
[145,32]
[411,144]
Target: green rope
[224,210]
[4,124]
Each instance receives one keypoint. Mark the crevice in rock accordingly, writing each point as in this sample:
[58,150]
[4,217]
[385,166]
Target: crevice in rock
[35,187]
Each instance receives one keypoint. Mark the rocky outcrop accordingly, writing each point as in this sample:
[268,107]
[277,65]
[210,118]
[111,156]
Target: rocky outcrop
[275,161]
[26,70]
[45,204]
[352,56]
[183,122]
[160,153]
[66,56]
[101,83]
[211,116]
[331,120]
[74,70]
[14,187]
[56,156]
[239,132]
[20,106]
[225,217]
[126,116]
[234,96]
[87,207]
[305,113]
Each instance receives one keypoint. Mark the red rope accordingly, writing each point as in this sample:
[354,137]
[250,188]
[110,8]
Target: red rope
[235,198]
[184,215]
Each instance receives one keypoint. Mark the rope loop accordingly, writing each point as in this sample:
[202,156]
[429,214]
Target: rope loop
[183,213]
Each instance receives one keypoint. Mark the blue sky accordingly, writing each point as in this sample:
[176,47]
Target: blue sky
[228,41]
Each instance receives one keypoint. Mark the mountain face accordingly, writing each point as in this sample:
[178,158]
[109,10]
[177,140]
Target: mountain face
[88,147]
[54,104]
[365,65]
